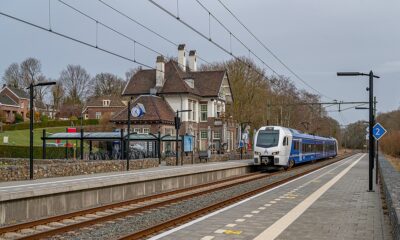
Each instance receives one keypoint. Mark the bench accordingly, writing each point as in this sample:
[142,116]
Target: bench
[203,155]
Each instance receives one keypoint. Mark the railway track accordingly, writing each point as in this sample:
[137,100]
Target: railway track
[54,226]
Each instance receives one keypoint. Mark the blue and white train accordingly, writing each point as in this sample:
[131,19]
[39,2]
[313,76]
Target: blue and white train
[280,146]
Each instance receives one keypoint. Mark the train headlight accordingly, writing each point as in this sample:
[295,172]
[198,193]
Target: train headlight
[275,153]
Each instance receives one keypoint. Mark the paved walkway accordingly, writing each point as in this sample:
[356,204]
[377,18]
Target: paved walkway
[331,203]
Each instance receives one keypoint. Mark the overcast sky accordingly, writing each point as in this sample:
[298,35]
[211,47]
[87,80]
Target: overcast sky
[315,38]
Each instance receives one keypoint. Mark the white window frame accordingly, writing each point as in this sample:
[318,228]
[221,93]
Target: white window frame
[217,135]
[203,111]
[201,134]
[98,115]
[106,103]
[146,130]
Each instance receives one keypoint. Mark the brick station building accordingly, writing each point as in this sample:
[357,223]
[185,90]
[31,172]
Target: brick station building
[175,86]
[97,107]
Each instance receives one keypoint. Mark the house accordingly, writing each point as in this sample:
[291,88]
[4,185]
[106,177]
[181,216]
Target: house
[12,101]
[97,107]
[175,86]
[44,109]
[68,111]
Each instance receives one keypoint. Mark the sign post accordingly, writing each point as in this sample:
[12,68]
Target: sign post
[378,132]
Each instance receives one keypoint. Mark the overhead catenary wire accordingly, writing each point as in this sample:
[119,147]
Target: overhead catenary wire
[271,52]
[147,28]
[210,40]
[134,41]
[76,40]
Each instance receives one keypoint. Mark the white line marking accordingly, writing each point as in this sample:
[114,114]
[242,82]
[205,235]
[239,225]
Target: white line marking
[248,216]
[272,201]
[255,211]
[277,199]
[207,238]
[267,205]
[105,177]
[220,231]
[240,220]
[230,225]
[337,164]
[263,208]
[279,226]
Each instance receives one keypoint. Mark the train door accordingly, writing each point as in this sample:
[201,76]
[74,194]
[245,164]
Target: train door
[300,150]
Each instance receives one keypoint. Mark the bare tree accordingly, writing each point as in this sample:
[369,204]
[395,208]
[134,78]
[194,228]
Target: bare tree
[129,74]
[108,84]
[57,95]
[76,84]
[12,76]
[30,71]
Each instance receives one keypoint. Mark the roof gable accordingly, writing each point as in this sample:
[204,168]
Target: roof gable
[157,109]
[206,83]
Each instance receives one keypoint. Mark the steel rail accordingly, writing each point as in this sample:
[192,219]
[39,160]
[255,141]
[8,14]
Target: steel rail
[187,217]
[16,227]
[80,224]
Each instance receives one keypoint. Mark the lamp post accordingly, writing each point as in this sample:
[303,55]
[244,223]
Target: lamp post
[371,118]
[177,127]
[31,97]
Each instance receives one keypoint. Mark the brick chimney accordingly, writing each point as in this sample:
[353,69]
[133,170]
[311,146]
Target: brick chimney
[160,71]
[193,60]
[182,57]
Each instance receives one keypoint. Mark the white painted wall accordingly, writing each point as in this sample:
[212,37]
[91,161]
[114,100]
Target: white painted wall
[178,103]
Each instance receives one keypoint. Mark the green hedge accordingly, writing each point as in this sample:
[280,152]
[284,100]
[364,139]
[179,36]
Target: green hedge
[54,123]
[7,151]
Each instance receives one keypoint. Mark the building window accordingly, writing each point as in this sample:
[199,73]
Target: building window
[146,130]
[98,115]
[203,112]
[217,135]
[106,103]
[137,130]
[203,134]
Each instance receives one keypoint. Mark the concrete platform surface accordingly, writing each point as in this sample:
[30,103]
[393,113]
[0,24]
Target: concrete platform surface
[331,203]
[34,188]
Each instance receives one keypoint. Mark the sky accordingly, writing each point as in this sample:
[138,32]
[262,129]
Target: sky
[314,38]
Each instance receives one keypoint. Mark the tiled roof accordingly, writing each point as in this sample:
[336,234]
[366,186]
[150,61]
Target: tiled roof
[206,83]
[157,109]
[98,101]
[19,92]
[4,99]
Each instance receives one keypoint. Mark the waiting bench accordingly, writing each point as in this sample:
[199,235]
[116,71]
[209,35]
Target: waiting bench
[203,155]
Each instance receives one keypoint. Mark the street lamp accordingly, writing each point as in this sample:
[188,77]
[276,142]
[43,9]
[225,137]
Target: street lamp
[371,118]
[177,127]
[31,97]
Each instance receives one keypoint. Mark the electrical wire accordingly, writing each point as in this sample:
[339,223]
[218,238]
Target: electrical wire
[76,40]
[270,51]
[147,28]
[210,40]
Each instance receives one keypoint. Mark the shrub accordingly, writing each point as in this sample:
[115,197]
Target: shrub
[7,151]
[18,118]
[390,143]
[52,123]
[44,118]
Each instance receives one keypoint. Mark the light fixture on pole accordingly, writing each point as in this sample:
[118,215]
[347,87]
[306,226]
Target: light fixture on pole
[371,118]
[31,97]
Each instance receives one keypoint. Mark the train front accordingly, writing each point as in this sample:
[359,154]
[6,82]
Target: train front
[271,146]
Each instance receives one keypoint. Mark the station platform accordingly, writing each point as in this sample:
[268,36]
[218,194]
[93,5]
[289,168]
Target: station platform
[331,203]
[53,196]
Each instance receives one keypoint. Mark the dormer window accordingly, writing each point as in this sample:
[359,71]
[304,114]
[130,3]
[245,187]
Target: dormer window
[106,103]
[190,82]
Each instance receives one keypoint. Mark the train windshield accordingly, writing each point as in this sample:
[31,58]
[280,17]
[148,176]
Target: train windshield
[268,138]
